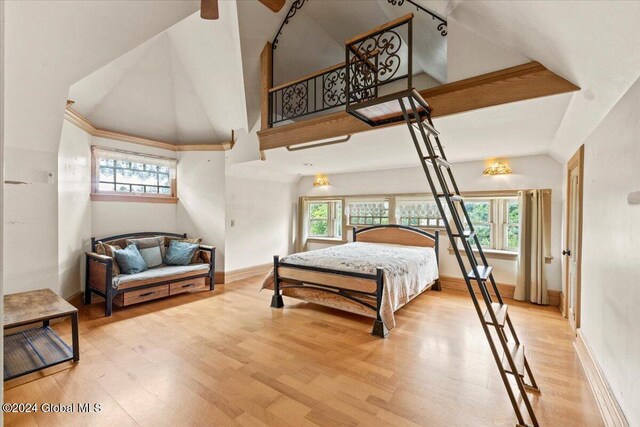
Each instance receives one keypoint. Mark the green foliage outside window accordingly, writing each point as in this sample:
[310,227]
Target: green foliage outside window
[479,213]
[513,227]
[318,219]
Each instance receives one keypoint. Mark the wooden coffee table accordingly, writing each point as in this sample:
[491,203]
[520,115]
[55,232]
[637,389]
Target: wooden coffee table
[37,348]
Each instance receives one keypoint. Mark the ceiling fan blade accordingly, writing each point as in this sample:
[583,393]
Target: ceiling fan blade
[209,9]
[274,5]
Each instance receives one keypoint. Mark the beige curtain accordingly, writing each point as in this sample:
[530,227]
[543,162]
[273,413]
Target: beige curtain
[535,234]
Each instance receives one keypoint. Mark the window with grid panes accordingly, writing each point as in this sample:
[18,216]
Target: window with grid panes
[418,213]
[481,216]
[369,212]
[135,174]
[496,222]
[325,219]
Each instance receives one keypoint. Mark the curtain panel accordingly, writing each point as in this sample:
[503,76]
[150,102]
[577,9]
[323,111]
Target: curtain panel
[535,247]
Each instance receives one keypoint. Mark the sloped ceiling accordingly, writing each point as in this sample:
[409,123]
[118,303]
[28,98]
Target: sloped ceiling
[595,45]
[314,39]
[206,75]
[183,86]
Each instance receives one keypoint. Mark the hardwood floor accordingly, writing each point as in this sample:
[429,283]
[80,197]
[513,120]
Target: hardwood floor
[226,358]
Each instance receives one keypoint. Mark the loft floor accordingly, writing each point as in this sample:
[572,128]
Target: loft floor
[226,358]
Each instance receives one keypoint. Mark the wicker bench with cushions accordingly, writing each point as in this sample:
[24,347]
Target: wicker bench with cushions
[105,278]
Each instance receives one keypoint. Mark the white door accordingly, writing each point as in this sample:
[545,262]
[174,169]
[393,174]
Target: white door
[573,249]
[573,239]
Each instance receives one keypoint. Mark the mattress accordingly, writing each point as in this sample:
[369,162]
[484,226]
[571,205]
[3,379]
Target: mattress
[407,270]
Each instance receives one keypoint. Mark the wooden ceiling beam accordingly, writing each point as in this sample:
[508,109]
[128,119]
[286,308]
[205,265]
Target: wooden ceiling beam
[519,83]
[274,5]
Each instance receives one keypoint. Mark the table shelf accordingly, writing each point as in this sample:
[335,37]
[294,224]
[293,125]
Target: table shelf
[34,349]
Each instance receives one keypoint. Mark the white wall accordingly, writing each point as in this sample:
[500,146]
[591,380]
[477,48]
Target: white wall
[469,54]
[110,218]
[40,66]
[528,172]
[610,263]
[262,204]
[201,208]
[74,207]
[1,179]
[264,215]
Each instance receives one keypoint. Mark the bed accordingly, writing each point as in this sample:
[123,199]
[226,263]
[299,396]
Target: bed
[384,268]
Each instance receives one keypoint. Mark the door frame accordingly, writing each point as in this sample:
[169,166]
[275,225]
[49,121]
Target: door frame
[576,161]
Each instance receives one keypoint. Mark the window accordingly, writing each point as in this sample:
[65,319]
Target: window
[131,174]
[495,217]
[480,214]
[325,219]
[418,213]
[511,225]
[496,222]
[372,212]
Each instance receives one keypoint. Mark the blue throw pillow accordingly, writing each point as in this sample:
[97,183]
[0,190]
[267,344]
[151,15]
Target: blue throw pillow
[180,253]
[130,260]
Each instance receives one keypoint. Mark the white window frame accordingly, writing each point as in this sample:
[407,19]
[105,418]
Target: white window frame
[498,222]
[334,221]
[490,223]
[398,217]
[387,200]
[505,224]
[114,155]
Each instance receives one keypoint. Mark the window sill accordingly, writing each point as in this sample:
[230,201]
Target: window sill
[494,253]
[325,240]
[136,198]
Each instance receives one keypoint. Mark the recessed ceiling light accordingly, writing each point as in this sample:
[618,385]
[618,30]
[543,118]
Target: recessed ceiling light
[307,164]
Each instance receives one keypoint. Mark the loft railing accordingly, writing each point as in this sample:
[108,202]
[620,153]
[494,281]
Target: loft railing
[390,48]
[314,93]
[376,58]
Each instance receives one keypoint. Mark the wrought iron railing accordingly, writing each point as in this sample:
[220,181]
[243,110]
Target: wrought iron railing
[378,58]
[311,94]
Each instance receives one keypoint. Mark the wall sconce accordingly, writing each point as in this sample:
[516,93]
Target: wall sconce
[321,181]
[497,168]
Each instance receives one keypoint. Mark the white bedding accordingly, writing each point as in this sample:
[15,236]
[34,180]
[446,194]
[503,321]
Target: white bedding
[408,270]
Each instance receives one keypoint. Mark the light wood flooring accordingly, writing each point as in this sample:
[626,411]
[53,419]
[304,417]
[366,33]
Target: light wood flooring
[226,358]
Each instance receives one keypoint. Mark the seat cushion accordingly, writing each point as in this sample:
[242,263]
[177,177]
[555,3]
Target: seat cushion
[159,274]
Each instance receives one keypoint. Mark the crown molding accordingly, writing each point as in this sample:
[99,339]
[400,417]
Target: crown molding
[77,119]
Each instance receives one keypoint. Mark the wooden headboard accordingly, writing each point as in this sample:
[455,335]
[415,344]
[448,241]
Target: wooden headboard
[396,234]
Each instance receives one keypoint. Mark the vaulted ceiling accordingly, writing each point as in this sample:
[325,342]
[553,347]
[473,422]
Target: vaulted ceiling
[595,45]
[183,86]
[200,79]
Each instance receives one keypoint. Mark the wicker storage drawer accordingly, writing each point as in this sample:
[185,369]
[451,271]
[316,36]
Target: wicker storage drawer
[190,285]
[141,295]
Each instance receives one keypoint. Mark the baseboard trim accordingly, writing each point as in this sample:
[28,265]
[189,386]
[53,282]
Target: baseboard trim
[610,410]
[243,273]
[506,290]
[219,277]
[76,299]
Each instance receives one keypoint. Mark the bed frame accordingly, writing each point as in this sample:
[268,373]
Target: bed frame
[365,290]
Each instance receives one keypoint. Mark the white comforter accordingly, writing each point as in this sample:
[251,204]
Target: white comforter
[408,270]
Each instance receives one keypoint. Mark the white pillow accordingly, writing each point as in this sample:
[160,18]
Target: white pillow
[152,256]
